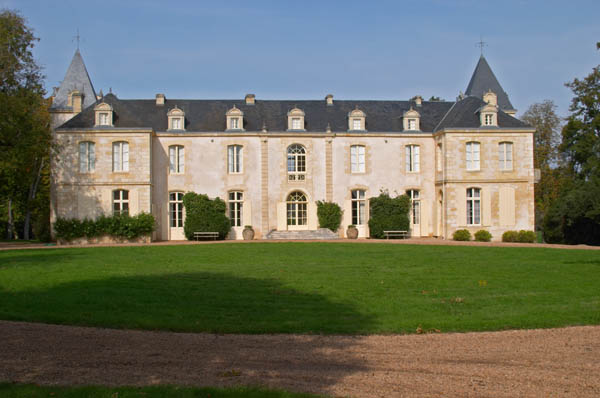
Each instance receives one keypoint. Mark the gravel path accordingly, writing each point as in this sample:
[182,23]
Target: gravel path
[545,362]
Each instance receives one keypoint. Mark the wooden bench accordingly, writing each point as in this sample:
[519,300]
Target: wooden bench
[198,235]
[396,234]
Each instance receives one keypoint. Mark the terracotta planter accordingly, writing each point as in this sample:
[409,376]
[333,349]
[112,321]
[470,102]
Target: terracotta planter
[248,233]
[352,233]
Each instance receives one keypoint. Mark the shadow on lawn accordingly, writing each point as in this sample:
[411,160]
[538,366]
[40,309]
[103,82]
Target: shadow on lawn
[188,302]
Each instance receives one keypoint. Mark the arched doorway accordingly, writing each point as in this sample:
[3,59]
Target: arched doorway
[297,212]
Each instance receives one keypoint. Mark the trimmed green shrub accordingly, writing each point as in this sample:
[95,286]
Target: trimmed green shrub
[122,226]
[388,214]
[483,236]
[462,235]
[526,236]
[329,215]
[510,236]
[203,214]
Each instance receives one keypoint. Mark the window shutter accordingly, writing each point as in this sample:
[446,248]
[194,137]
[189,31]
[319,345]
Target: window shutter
[486,207]
[347,216]
[425,208]
[281,216]
[313,221]
[461,206]
[507,206]
[247,213]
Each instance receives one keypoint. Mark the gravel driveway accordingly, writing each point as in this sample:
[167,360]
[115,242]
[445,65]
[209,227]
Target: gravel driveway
[544,362]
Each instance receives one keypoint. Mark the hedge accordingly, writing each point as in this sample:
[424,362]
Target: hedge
[329,215]
[203,214]
[119,226]
[388,214]
[483,236]
[521,236]
[461,235]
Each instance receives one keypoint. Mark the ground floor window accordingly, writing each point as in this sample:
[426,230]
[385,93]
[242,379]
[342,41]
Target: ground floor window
[415,210]
[176,209]
[236,199]
[120,202]
[358,206]
[473,206]
[296,209]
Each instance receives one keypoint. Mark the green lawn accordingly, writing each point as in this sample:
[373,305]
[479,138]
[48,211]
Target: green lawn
[329,288]
[31,391]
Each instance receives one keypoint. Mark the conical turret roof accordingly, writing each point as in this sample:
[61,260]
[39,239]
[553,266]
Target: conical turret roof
[484,80]
[76,78]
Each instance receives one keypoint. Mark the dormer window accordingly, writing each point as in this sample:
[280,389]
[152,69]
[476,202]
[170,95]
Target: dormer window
[489,112]
[235,119]
[176,119]
[411,120]
[104,114]
[356,120]
[296,119]
[488,119]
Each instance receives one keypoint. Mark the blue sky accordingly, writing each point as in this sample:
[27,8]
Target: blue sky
[307,49]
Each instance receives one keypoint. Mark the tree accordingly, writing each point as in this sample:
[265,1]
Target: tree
[543,117]
[25,136]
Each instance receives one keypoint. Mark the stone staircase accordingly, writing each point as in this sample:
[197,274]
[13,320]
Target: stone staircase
[321,233]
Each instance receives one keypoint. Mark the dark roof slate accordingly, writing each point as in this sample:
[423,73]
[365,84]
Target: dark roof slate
[76,78]
[483,80]
[464,114]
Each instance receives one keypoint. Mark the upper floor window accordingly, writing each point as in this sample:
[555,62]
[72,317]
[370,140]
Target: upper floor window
[235,119]
[120,202]
[473,206]
[357,120]
[412,124]
[176,209]
[359,205]
[505,155]
[104,113]
[176,159]
[488,119]
[296,119]
[87,156]
[473,155]
[489,112]
[234,159]
[120,156]
[357,159]
[236,203]
[296,162]
[411,120]
[416,205]
[356,124]
[176,119]
[412,158]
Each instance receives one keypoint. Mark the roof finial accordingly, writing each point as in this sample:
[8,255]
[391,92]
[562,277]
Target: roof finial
[481,44]
[77,37]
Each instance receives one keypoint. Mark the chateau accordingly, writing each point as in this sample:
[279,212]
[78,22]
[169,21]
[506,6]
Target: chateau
[466,163]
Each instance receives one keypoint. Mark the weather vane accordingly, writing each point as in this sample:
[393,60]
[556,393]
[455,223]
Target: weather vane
[481,44]
[77,37]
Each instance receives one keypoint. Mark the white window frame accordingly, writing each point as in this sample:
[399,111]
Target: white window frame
[357,158]
[488,119]
[359,206]
[296,162]
[413,158]
[87,156]
[236,207]
[473,151]
[297,209]
[176,123]
[235,159]
[357,124]
[415,209]
[120,156]
[412,124]
[473,206]
[505,155]
[176,159]
[103,119]
[120,202]
[234,123]
[176,209]
[296,123]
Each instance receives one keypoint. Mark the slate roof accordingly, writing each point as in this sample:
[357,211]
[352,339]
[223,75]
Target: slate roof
[76,78]
[483,80]
[209,115]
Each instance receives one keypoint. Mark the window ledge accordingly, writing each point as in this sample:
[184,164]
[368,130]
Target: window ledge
[296,130]
[357,131]
[234,130]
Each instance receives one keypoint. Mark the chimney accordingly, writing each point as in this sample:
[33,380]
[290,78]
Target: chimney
[418,100]
[250,99]
[329,99]
[77,99]
[160,99]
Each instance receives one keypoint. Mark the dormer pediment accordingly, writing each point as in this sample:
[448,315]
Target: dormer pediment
[357,120]
[104,114]
[411,120]
[235,119]
[176,119]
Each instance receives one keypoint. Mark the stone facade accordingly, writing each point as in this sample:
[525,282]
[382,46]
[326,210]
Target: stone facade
[440,175]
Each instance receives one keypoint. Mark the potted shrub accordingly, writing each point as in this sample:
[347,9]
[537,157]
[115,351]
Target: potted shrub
[352,232]
[248,232]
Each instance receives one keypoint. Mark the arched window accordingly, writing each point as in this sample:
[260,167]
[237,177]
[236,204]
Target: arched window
[358,206]
[357,158]
[296,162]
[296,209]
[505,155]
[120,202]
[412,158]
[176,159]
[176,209]
[416,205]
[120,156]
[236,203]
[234,159]
[87,156]
[473,206]
[472,155]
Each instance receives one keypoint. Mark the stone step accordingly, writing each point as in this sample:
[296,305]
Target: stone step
[321,233]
